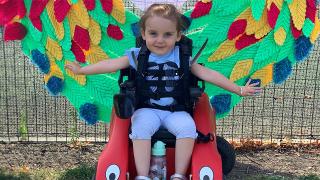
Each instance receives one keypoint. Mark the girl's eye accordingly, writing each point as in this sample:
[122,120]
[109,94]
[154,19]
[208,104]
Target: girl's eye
[153,33]
[168,34]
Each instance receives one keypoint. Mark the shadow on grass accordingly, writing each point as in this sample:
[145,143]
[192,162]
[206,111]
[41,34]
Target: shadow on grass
[4,174]
[83,172]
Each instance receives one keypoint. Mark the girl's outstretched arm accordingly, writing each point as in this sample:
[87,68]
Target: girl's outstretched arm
[105,66]
[220,80]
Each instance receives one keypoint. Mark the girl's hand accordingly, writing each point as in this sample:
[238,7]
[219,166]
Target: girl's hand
[250,89]
[74,67]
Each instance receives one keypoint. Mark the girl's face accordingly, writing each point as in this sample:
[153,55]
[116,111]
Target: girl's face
[160,35]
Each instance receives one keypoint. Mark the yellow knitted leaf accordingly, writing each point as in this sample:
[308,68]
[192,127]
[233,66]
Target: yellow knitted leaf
[241,69]
[298,12]
[54,69]
[118,11]
[54,48]
[280,36]
[206,1]
[258,28]
[316,31]
[58,27]
[94,32]
[226,49]
[245,14]
[81,79]
[265,75]
[78,15]
[278,3]
[95,54]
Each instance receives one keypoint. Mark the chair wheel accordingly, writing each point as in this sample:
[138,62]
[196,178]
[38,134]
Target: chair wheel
[227,153]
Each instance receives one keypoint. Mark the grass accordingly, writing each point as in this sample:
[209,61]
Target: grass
[85,172]
[82,172]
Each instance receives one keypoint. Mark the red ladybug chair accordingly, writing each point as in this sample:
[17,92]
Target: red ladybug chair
[210,160]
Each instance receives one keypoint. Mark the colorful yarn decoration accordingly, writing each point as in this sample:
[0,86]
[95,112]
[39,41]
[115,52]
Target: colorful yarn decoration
[259,40]
[89,112]
[55,85]
[114,32]
[303,47]
[41,60]
[14,31]
[221,103]
[281,71]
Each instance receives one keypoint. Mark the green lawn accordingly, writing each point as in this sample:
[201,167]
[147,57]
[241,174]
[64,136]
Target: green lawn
[85,172]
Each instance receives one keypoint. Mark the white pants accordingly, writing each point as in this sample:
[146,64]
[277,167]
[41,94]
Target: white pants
[146,121]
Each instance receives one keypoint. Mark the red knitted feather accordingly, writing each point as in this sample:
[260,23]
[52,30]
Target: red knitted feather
[237,27]
[245,41]
[36,9]
[273,14]
[201,9]
[61,9]
[14,31]
[107,5]
[21,11]
[114,32]
[295,32]
[90,4]
[311,10]
[8,10]
[81,37]
[77,51]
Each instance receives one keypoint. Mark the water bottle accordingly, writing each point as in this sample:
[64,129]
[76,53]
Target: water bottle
[158,169]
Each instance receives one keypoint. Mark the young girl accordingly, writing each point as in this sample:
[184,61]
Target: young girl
[161,29]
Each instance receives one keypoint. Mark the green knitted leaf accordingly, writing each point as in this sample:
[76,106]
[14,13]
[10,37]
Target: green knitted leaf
[99,15]
[267,48]
[257,7]
[308,27]
[66,41]
[287,49]
[47,25]
[283,19]
[226,7]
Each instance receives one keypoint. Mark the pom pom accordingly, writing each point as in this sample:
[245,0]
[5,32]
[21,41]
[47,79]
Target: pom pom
[89,112]
[14,31]
[78,53]
[302,48]
[221,103]
[61,9]
[55,85]
[238,27]
[201,9]
[107,5]
[114,32]
[135,28]
[90,4]
[41,61]
[281,71]
[81,37]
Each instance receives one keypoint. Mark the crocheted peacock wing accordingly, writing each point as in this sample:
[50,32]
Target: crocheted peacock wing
[256,39]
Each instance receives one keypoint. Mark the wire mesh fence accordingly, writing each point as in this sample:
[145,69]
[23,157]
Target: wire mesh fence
[29,113]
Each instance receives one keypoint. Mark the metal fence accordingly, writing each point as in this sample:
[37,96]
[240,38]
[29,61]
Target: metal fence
[29,113]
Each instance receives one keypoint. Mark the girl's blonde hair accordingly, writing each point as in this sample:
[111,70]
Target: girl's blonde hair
[167,11]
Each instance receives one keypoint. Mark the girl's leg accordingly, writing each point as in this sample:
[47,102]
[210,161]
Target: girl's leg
[144,123]
[184,148]
[181,125]
[141,151]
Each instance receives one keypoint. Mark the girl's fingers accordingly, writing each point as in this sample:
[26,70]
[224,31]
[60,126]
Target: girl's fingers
[248,82]
[254,84]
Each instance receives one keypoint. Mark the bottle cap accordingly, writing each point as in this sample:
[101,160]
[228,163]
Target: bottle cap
[159,149]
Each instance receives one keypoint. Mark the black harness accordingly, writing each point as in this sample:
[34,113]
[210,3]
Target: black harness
[136,93]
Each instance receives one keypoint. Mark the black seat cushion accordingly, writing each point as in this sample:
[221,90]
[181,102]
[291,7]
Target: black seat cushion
[165,136]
